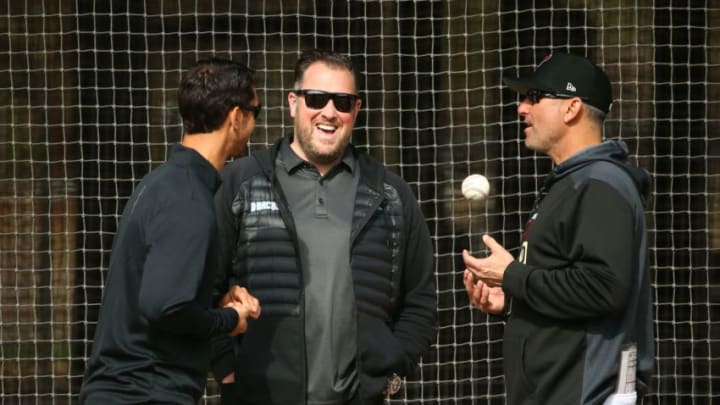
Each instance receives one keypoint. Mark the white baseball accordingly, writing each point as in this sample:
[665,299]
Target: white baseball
[476,187]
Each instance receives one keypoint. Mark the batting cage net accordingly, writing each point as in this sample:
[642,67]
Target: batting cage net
[89,108]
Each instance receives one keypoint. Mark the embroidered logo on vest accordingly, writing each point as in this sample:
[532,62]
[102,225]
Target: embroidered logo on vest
[263,206]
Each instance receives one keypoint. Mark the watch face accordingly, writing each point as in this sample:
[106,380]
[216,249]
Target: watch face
[394,383]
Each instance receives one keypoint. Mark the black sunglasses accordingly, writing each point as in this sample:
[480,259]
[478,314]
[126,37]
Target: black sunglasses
[317,99]
[254,109]
[534,96]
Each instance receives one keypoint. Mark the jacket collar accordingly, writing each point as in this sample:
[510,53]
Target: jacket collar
[612,151]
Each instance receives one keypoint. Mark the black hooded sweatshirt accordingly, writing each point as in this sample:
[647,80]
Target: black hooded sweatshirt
[579,291]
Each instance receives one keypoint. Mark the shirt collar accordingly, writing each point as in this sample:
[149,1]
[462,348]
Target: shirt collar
[293,162]
[188,157]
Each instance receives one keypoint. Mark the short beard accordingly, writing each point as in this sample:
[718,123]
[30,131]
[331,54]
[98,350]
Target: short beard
[305,143]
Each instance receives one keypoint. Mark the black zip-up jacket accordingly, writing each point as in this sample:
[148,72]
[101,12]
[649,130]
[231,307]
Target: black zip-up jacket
[392,271]
[580,290]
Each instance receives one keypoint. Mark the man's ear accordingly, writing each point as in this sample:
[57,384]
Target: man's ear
[233,117]
[573,108]
[292,103]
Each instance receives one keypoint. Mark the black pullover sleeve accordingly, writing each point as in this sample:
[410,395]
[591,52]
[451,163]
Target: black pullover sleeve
[175,287]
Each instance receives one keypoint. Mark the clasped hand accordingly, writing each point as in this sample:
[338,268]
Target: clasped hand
[244,304]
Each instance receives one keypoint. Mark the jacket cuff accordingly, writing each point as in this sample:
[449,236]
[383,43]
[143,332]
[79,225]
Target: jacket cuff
[222,362]
[223,366]
[513,283]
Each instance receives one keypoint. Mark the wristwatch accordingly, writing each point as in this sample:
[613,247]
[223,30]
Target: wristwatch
[393,385]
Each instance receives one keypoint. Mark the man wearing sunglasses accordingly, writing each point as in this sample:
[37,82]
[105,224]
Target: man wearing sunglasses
[577,300]
[152,339]
[336,249]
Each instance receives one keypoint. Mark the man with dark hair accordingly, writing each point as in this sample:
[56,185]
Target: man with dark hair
[152,338]
[577,300]
[336,249]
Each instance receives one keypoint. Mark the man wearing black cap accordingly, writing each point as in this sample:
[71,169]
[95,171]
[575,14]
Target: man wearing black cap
[577,299]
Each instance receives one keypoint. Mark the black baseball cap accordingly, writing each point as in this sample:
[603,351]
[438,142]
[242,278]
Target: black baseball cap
[569,75]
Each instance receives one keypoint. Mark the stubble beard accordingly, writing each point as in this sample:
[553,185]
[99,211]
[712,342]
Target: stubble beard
[304,140]
[540,143]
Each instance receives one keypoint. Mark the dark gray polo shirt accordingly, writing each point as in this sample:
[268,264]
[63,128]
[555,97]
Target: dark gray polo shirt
[322,208]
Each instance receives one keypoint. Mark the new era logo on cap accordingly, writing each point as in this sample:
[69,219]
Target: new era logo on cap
[567,74]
